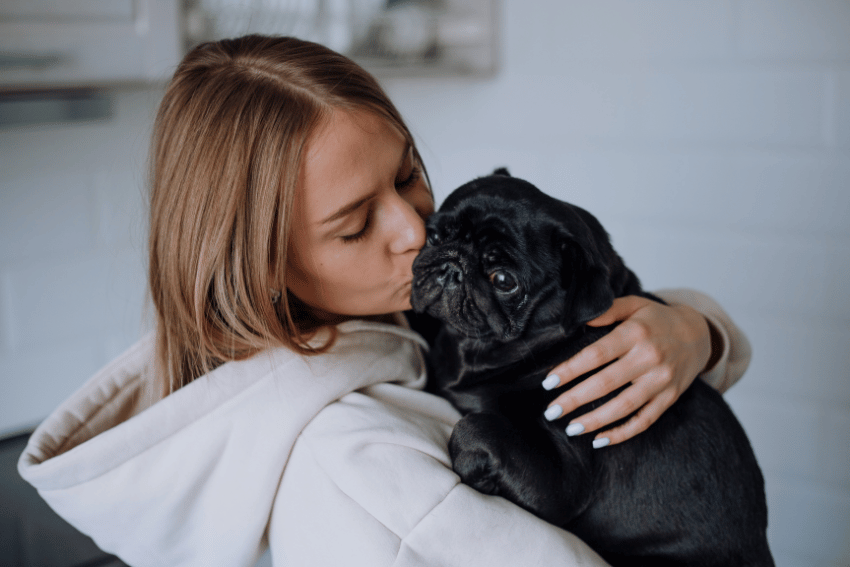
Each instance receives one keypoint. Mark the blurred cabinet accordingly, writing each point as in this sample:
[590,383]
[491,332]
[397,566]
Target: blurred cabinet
[83,43]
[389,37]
[62,44]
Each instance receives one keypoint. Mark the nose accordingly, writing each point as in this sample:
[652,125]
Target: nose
[408,228]
[450,275]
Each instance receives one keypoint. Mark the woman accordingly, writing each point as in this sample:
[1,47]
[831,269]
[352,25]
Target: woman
[279,402]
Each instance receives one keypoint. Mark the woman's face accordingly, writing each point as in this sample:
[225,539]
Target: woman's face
[358,218]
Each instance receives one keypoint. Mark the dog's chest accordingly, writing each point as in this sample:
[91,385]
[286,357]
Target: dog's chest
[504,378]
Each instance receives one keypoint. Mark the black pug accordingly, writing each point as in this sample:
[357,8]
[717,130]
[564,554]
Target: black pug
[513,275]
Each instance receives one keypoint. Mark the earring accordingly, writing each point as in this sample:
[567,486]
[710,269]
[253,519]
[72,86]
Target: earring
[275,296]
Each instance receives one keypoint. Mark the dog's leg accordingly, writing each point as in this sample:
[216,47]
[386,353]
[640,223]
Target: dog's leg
[495,457]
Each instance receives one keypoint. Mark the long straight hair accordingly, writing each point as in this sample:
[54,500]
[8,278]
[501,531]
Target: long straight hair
[225,159]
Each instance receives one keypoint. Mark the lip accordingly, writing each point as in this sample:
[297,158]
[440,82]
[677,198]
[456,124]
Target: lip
[404,293]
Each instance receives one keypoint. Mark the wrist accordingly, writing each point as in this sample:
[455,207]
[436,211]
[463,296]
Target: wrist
[698,334]
[716,341]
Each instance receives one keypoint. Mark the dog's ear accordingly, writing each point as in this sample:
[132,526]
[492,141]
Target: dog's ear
[586,278]
[501,171]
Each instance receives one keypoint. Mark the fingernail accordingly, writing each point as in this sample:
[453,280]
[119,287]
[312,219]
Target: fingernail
[599,443]
[553,412]
[551,381]
[575,429]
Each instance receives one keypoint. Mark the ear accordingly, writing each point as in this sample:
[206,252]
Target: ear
[501,171]
[586,280]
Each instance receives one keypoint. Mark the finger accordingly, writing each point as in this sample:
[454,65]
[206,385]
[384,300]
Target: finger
[638,423]
[620,407]
[610,347]
[600,384]
[621,309]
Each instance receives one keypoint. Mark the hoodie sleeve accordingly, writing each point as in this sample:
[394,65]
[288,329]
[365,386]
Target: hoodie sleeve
[736,351]
[369,484]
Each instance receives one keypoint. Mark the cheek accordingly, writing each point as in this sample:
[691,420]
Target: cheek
[348,271]
[308,272]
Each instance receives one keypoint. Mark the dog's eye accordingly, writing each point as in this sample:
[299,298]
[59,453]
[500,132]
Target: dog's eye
[433,238]
[504,281]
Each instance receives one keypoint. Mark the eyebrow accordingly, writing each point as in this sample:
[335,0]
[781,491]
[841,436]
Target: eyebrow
[348,209]
[354,205]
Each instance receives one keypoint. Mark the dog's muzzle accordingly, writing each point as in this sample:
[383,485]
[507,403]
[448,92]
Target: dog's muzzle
[427,289]
[435,272]
[440,289]
[450,275]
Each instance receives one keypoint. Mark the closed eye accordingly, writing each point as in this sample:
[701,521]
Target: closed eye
[415,172]
[360,234]
[408,182]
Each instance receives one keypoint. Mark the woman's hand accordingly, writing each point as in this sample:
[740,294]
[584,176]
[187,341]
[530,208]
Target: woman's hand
[657,348]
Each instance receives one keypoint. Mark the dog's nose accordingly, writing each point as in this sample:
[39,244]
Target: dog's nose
[450,275]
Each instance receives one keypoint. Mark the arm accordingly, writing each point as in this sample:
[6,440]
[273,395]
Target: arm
[731,350]
[369,483]
[659,350]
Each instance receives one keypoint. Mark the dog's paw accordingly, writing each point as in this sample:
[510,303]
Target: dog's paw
[477,468]
[476,448]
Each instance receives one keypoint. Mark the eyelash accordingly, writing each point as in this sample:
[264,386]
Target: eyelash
[401,186]
[411,179]
[362,232]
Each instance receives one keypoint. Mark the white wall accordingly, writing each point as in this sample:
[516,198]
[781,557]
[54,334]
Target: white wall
[711,137]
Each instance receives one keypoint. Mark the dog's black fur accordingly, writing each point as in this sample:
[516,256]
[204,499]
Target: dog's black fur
[514,275]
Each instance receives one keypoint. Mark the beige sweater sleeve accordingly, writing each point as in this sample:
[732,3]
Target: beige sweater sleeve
[736,351]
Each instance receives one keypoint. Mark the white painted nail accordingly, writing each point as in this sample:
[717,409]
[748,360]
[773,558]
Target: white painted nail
[575,429]
[553,412]
[551,382]
[602,442]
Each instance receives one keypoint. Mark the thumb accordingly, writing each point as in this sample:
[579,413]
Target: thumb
[621,309]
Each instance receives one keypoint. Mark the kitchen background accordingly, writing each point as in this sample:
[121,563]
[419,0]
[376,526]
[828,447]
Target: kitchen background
[711,137]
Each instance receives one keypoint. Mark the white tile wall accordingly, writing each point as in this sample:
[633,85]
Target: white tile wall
[712,137]
[620,32]
[794,30]
[841,117]
[72,278]
[773,107]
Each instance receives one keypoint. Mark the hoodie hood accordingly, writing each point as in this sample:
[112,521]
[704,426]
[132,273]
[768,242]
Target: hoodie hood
[192,477]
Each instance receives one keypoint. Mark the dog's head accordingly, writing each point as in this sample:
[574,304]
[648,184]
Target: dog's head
[502,257]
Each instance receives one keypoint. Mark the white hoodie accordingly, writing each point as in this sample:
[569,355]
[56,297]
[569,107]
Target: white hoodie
[331,459]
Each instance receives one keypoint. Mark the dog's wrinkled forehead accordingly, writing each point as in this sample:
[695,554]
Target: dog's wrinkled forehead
[495,209]
[479,218]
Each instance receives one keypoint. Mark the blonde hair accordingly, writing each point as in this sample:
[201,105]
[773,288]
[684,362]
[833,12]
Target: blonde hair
[226,152]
